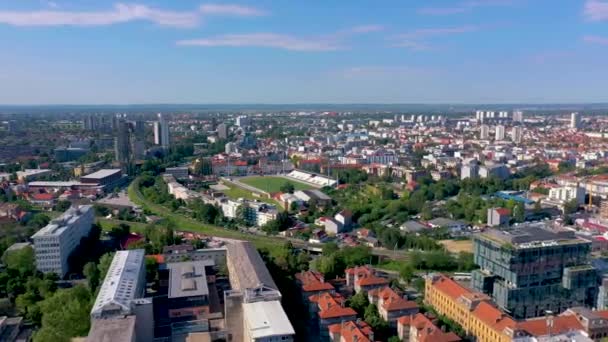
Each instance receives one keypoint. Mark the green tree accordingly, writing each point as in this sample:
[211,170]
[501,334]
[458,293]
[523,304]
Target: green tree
[38,220]
[62,206]
[407,272]
[104,264]
[288,187]
[519,212]
[358,302]
[65,315]
[91,272]
[22,260]
[330,248]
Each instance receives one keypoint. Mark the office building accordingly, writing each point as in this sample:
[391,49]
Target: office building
[517,134]
[575,120]
[500,133]
[533,269]
[222,131]
[124,282]
[188,290]
[484,132]
[161,132]
[54,243]
[518,116]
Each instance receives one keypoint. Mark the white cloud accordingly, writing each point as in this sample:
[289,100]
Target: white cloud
[417,40]
[596,10]
[121,13]
[464,7]
[366,29]
[596,40]
[232,10]
[267,40]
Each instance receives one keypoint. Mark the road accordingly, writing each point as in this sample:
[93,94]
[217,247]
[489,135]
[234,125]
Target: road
[187,224]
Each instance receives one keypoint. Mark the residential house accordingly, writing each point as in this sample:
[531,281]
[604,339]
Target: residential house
[390,305]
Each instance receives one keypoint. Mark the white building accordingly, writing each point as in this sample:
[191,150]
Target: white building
[568,193]
[484,132]
[575,120]
[124,282]
[266,321]
[243,121]
[500,132]
[469,171]
[55,242]
[161,132]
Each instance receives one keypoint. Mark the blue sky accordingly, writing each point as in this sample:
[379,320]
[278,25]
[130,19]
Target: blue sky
[381,51]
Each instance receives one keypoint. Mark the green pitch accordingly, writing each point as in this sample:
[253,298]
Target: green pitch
[272,184]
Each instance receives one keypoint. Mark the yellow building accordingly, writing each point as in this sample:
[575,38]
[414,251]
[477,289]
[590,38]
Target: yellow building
[473,311]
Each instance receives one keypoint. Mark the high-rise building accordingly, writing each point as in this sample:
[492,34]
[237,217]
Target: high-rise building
[222,131]
[517,134]
[139,138]
[503,114]
[518,116]
[575,120]
[484,132]
[532,270]
[500,132]
[479,115]
[122,142]
[243,121]
[161,132]
[54,243]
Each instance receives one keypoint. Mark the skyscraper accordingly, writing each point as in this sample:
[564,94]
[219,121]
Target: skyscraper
[535,269]
[122,142]
[161,132]
[500,132]
[484,132]
[138,143]
[517,134]
[575,120]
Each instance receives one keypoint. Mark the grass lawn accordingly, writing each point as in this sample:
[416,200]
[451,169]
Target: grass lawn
[234,192]
[184,223]
[390,265]
[272,184]
[108,224]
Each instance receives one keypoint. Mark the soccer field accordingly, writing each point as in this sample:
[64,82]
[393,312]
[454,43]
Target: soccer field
[272,184]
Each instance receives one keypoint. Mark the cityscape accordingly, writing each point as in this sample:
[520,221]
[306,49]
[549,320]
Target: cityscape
[358,177]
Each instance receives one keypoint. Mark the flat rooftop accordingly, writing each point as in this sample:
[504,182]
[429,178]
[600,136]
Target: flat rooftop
[102,173]
[116,330]
[187,279]
[528,234]
[266,319]
[58,226]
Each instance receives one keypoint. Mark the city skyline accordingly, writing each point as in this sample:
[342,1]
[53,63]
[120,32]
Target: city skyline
[495,51]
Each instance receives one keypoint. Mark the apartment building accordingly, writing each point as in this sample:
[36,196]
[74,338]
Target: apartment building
[54,243]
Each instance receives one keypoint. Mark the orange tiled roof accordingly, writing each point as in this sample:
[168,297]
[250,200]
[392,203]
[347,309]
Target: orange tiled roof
[429,332]
[351,331]
[392,301]
[372,280]
[450,287]
[561,324]
[313,281]
[330,306]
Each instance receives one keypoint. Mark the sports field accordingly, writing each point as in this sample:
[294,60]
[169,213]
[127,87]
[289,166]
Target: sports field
[272,184]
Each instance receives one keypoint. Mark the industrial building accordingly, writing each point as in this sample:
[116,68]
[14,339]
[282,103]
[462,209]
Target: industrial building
[124,282]
[534,269]
[54,243]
